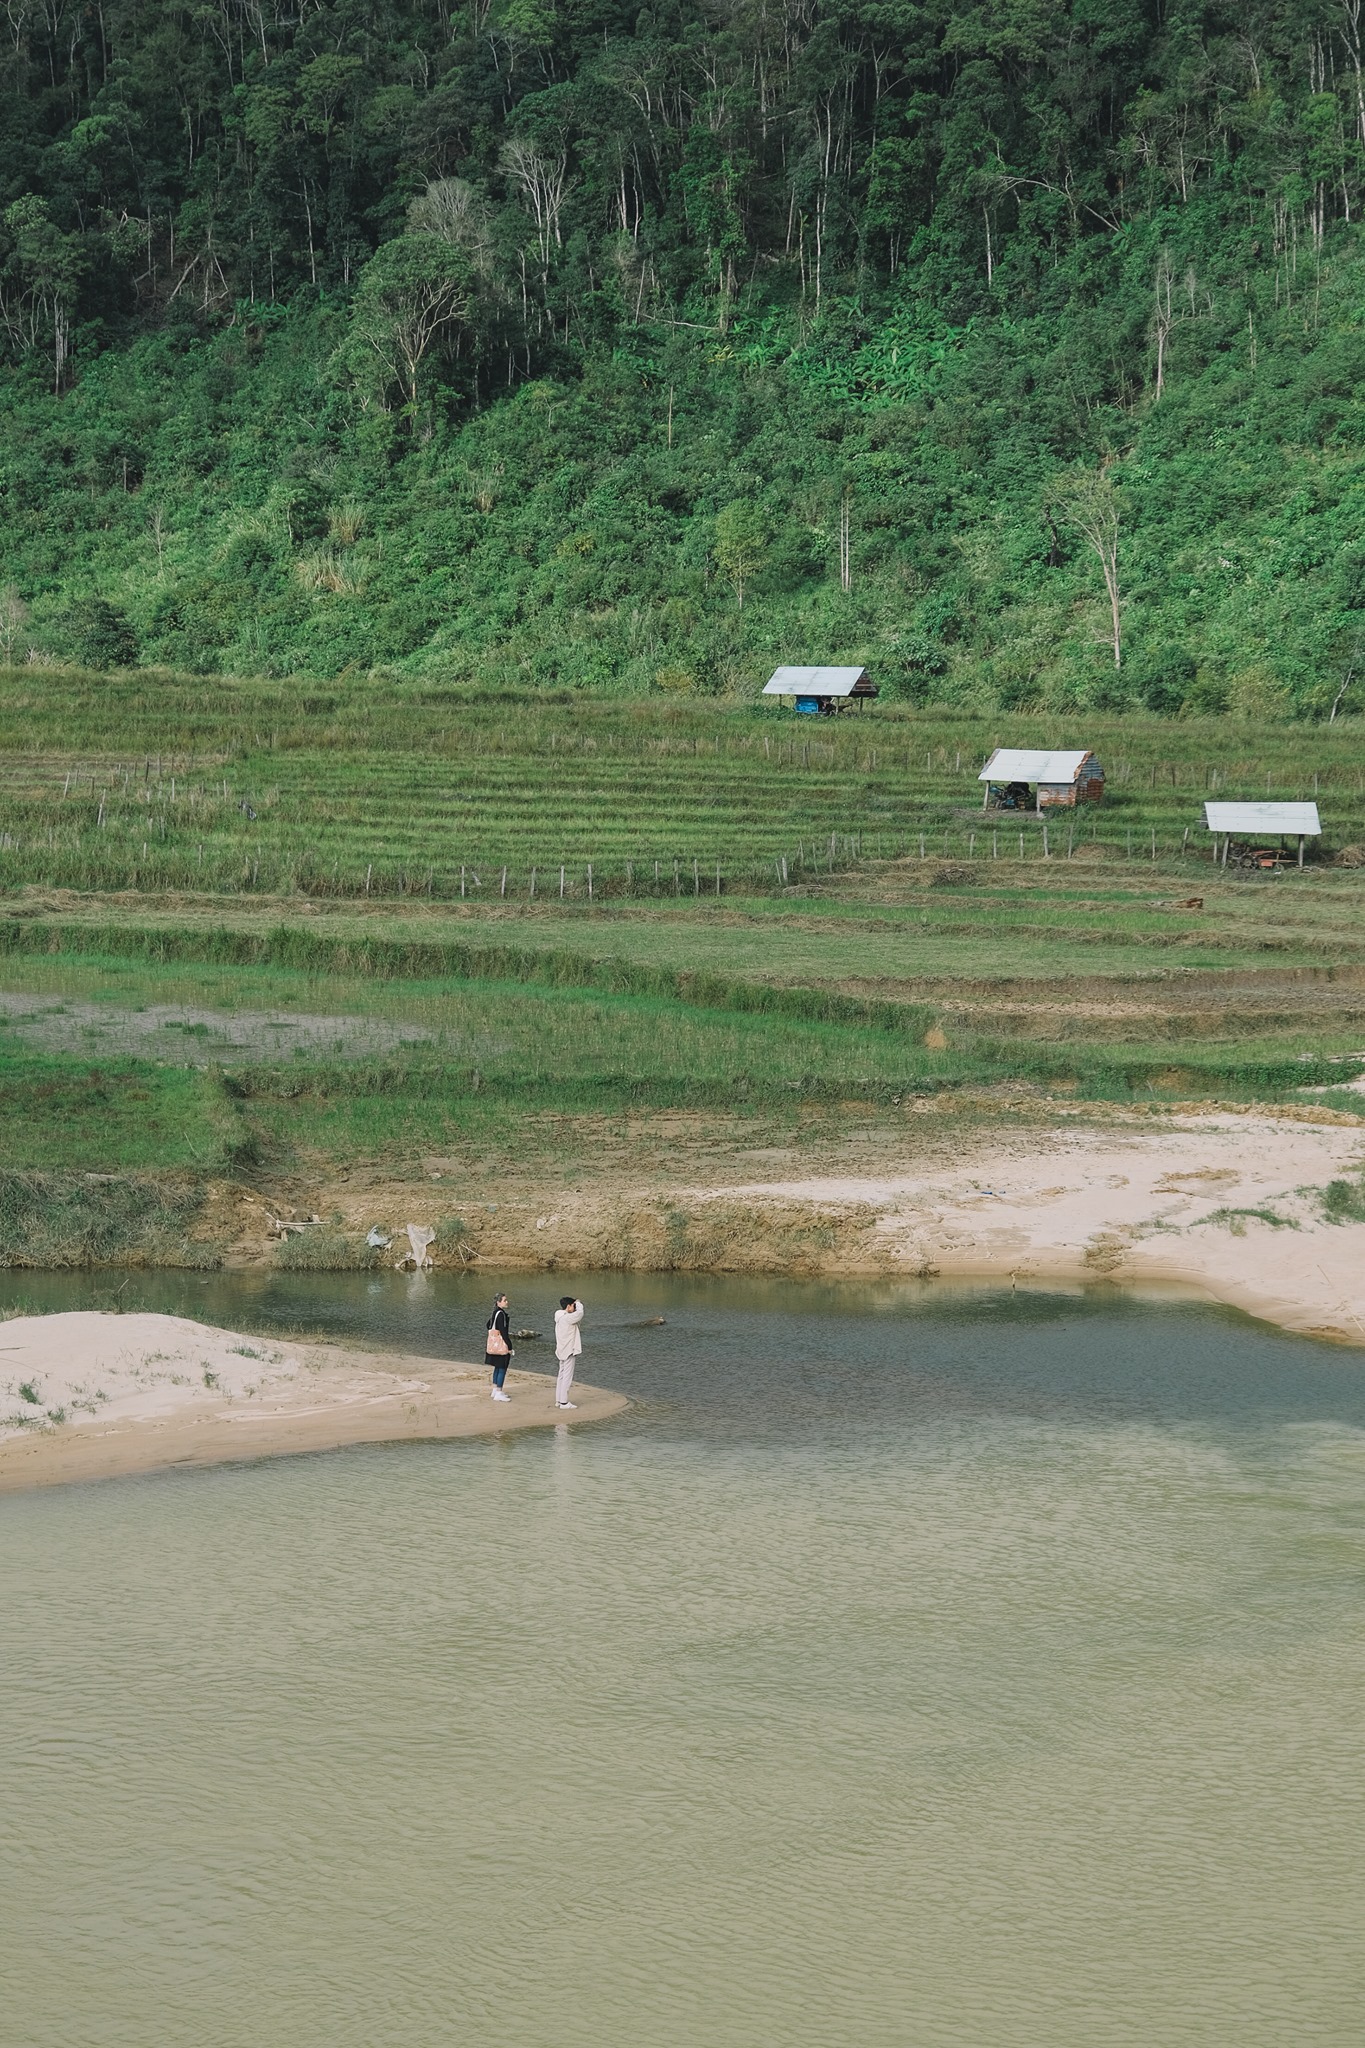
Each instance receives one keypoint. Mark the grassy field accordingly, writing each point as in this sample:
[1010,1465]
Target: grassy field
[255,1016]
[346,1035]
[153,782]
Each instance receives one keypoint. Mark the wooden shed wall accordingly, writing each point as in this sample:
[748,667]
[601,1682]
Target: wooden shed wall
[1087,788]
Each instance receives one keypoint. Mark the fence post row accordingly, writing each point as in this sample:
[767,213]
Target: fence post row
[312,872]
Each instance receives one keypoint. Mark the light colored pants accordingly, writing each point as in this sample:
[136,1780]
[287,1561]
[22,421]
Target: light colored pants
[565,1380]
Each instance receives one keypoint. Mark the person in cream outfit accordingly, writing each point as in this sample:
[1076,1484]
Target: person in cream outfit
[568,1347]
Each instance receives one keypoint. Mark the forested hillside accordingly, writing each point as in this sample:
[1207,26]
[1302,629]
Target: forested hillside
[1015,348]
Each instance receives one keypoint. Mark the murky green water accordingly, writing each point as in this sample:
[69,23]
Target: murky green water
[912,1666]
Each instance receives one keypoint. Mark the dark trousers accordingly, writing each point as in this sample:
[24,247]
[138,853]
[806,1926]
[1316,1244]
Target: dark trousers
[499,1371]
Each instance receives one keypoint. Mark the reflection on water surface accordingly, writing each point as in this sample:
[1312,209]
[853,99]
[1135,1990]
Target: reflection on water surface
[911,1666]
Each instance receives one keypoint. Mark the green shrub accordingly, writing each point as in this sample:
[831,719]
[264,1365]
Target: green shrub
[326,1248]
[99,635]
[85,1219]
[1343,1201]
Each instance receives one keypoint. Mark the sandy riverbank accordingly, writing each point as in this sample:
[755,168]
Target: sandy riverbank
[1227,1201]
[89,1395]
[1229,1205]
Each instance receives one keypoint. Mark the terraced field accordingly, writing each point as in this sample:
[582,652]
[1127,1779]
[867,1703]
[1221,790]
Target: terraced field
[262,939]
[256,788]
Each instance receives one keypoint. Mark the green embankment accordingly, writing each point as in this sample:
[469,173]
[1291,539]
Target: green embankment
[501,1032]
[154,1044]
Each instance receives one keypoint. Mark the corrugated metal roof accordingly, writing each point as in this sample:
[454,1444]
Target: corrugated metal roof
[1263,817]
[1032,764]
[813,682]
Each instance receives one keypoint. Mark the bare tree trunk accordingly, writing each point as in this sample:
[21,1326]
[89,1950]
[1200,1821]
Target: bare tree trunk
[1163,319]
[1351,36]
[312,253]
[1110,565]
[1088,504]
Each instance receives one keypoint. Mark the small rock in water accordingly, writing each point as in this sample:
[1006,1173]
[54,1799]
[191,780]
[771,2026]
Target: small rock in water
[649,1323]
[525,1335]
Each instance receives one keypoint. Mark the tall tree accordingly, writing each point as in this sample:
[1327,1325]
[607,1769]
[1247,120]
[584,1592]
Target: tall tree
[412,298]
[1087,502]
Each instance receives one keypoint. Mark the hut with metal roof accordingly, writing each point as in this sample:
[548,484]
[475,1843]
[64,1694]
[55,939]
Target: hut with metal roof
[818,692]
[1041,778]
[1245,828]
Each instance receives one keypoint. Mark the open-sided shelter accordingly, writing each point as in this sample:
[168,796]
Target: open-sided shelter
[1060,779]
[1249,825]
[819,691]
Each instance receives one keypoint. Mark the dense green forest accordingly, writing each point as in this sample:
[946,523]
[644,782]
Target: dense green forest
[1015,348]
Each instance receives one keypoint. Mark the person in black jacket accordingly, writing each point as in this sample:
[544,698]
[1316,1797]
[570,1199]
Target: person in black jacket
[498,1349]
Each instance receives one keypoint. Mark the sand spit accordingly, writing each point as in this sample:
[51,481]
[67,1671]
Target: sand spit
[89,1395]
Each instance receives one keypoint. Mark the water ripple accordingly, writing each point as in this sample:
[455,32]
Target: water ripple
[1031,1722]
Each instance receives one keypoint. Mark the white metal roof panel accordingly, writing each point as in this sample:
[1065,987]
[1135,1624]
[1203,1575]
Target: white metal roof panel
[1032,764]
[813,682]
[1263,817]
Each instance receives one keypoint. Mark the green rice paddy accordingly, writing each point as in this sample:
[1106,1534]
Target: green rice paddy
[249,933]
[379,790]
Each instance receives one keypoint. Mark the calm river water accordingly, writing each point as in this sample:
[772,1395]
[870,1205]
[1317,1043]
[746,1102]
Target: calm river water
[912,1666]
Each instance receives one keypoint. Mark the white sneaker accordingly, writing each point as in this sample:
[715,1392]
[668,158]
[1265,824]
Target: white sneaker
[566,1404]
[498,1395]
